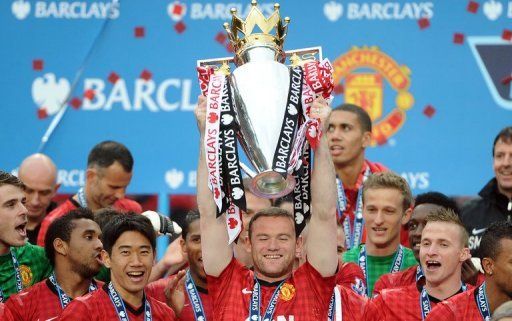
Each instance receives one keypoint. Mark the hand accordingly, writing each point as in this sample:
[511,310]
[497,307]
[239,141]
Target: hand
[200,113]
[321,110]
[174,292]
[174,255]
[469,272]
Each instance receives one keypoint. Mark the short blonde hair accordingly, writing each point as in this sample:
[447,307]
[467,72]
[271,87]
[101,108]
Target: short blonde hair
[447,215]
[390,180]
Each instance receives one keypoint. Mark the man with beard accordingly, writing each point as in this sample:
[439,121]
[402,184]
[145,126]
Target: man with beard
[129,241]
[39,174]
[495,201]
[190,285]
[481,302]
[443,250]
[109,172]
[21,264]
[272,290]
[73,247]
[423,205]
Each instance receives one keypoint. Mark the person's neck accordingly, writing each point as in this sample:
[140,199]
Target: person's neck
[4,248]
[507,193]
[132,298]
[198,281]
[349,173]
[384,250]
[34,222]
[91,204]
[261,276]
[73,284]
[495,296]
[446,288]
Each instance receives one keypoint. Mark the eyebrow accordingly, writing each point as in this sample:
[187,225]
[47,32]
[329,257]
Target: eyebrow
[121,247]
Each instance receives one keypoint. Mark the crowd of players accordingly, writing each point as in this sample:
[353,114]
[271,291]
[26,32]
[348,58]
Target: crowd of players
[370,251]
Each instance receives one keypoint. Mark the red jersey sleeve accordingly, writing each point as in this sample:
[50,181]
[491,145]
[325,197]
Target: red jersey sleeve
[352,305]
[128,205]
[5,313]
[156,289]
[373,309]
[77,310]
[441,312]
[351,276]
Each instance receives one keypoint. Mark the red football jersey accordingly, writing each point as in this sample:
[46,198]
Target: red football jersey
[156,290]
[97,306]
[352,306]
[5,313]
[40,302]
[351,276]
[399,279]
[123,205]
[460,307]
[305,296]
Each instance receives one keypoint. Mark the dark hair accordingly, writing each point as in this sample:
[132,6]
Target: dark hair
[447,215]
[270,212]
[191,217]
[107,153]
[105,216]
[125,223]
[9,179]
[505,135]
[437,198]
[62,227]
[362,116]
[490,245]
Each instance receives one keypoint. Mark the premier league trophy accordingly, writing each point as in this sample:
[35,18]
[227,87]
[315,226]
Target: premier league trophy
[264,102]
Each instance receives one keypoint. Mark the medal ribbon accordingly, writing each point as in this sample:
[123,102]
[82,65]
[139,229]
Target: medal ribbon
[335,312]
[255,304]
[419,273]
[194,298]
[352,235]
[81,197]
[395,266]
[17,275]
[425,301]
[63,297]
[302,192]
[118,303]
[482,303]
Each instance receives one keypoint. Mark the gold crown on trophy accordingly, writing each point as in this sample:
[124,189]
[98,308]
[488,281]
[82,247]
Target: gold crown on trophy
[255,18]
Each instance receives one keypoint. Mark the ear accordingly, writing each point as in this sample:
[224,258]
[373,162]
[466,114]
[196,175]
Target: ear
[60,247]
[407,216]
[90,174]
[488,266]
[367,139]
[465,254]
[182,245]
[56,188]
[106,259]
[246,242]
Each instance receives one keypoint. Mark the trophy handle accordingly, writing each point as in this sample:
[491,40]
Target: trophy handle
[294,57]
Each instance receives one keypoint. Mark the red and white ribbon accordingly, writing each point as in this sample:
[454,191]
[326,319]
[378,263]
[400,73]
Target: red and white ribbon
[233,222]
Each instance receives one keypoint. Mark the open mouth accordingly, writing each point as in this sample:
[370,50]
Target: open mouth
[272,256]
[21,228]
[433,265]
[137,276]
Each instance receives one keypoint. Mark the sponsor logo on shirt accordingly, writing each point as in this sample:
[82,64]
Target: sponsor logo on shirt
[476,231]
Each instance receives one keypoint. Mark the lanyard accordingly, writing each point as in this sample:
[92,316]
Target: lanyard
[352,234]
[121,309]
[17,274]
[482,302]
[425,301]
[194,298]
[335,312]
[255,304]
[419,273]
[63,297]
[81,197]
[395,266]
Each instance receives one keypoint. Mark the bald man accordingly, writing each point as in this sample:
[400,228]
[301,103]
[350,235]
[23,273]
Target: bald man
[39,174]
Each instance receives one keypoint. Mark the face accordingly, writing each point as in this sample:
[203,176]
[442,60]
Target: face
[340,240]
[417,223]
[40,189]
[192,246]
[107,184]
[502,267]
[383,214]
[84,248]
[130,262]
[442,252]
[347,139]
[273,247]
[502,165]
[13,217]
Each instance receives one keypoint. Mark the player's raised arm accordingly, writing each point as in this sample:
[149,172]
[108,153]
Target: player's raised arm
[321,245]
[217,253]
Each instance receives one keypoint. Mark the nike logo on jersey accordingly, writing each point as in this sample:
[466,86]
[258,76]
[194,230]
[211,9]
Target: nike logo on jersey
[478,231]
[245,291]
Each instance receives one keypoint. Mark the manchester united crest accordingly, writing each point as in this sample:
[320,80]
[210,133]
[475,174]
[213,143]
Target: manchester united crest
[364,73]
[26,276]
[287,292]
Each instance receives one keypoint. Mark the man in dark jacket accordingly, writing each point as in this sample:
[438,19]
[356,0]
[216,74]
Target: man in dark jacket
[495,201]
